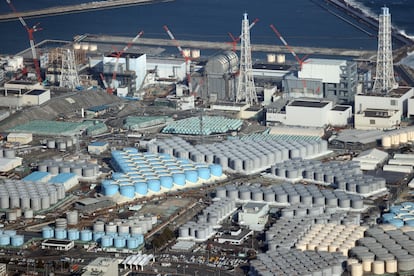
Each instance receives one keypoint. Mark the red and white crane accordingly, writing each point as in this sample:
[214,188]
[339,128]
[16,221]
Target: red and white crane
[30,32]
[117,55]
[235,40]
[186,57]
[300,61]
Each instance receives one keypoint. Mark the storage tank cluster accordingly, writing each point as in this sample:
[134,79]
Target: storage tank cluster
[400,215]
[288,194]
[10,238]
[7,153]
[141,173]
[346,176]
[121,234]
[211,124]
[398,137]
[209,220]
[80,167]
[242,156]
[62,144]
[295,262]
[331,237]
[29,195]
[383,251]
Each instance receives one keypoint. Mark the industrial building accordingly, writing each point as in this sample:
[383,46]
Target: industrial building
[318,113]
[102,266]
[167,68]
[62,245]
[254,215]
[221,71]
[97,147]
[21,138]
[236,237]
[382,111]
[131,71]
[22,97]
[339,78]
[90,205]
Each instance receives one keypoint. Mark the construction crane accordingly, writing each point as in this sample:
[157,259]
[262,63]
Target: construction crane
[235,40]
[300,61]
[104,82]
[117,55]
[186,57]
[30,32]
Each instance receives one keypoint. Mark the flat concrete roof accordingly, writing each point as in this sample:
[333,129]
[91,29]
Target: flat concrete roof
[341,107]
[313,104]
[36,92]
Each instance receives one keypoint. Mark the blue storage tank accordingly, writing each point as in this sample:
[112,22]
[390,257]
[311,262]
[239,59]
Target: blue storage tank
[107,182]
[127,191]
[47,232]
[130,150]
[164,156]
[60,233]
[120,242]
[17,240]
[407,205]
[175,171]
[179,179]
[166,181]
[203,173]
[124,182]
[409,223]
[86,235]
[107,241]
[139,237]
[159,169]
[216,170]
[117,176]
[4,240]
[10,233]
[191,175]
[173,167]
[387,217]
[141,188]
[97,236]
[73,234]
[183,161]
[397,223]
[408,217]
[132,243]
[111,234]
[110,190]
[148,175]
[154,185]
[395,209]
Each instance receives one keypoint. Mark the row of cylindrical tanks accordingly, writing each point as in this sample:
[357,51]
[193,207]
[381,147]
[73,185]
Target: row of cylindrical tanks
[291,194]
[400,215]
[80,167]
[7,153]
[29,195]
[207,221]
[142,173]
[397,137]
[211,124]
[105,239]
[295,262]
[345,176]
[331,237]
[132,226]
[10,237]
[245,156]
[61,144]
[393,247]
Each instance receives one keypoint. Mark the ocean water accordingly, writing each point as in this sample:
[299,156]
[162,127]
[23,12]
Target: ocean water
[301,22]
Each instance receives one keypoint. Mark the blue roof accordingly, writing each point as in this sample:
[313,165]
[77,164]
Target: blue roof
[98,144]
[62,177]
[36,176]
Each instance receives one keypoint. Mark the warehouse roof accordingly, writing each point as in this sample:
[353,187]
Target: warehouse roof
[62,178]
[359,136]
[36,176]
[98,144]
